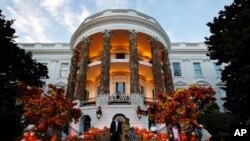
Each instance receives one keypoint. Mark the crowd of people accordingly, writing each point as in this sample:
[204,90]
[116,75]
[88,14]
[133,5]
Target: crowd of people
[121,131]
[191,130]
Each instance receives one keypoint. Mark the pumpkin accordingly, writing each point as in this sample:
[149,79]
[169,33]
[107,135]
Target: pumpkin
[92,137]
[164,136]
[30,138]
[85,136]
[183,137]
[139,132]
[151,134]
[192,138]
[26,135]
[145,136]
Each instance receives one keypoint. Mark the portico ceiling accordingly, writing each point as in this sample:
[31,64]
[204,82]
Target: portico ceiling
[94,71]
[119,39]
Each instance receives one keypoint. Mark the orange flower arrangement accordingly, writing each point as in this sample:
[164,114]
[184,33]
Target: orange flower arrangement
[181,106]
[50,109]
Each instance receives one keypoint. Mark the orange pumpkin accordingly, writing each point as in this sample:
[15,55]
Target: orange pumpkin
[136,129]
[30,138]
[192,138]
[151,134]
[86,136]
[144,130]
[164,136]
[183,137]
[139,132]
[26,135]
[92,137]
[145,136]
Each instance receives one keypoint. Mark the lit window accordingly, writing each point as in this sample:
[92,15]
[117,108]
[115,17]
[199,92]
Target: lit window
[197,70]
[86,97]
[120,55]
[177,69]
[64,71]
[120,87]
[218,70]
[153,94]
[141,89]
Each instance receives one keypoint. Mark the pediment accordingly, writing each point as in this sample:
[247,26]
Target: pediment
[61,84]
[202,83]
[180,83]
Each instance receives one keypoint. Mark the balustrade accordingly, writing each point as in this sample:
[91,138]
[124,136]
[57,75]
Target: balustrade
[116,98]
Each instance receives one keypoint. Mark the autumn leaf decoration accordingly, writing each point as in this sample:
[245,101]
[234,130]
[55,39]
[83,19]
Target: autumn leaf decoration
[51,107]
[182,105]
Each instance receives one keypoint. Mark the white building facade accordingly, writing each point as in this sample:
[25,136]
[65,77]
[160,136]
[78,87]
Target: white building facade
[119,30]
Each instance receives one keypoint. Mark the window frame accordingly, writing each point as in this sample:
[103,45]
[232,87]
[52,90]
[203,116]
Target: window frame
[64,70]
[120,56]
[197,69]
[178,73]
[123,85]
[218,70]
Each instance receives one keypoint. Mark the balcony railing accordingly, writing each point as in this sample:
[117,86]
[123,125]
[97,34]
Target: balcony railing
[115,99]
[119,98]
[89,101]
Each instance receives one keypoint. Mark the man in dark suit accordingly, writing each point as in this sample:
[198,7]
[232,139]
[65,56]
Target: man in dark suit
[115,130]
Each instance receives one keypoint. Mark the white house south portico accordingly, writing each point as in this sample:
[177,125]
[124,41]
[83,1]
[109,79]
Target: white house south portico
[119,59]
[117,65]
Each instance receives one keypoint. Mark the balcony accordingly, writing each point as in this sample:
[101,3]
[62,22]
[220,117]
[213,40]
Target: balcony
[119,98]
[114,99]
[88,102]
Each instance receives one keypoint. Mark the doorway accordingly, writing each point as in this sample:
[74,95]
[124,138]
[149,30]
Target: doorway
[85,123]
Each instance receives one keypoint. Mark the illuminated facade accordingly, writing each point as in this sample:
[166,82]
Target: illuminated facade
[118,59]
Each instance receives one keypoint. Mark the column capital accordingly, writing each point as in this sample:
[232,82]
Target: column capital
[132,34]
[153,38]
[85,40]
[107,34]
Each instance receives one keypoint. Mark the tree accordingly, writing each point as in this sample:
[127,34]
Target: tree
[218,125]
[15,65]
[51,108]
[183,106]
[229,44]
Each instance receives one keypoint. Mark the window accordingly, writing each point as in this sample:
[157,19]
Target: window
[64,71]
[197,70]
[177,69]
[141,89]
[153,94]
[120,87]
[86,96]
[218,70]
[120,55]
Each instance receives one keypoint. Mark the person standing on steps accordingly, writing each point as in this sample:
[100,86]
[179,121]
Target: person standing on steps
[125,130]
[115,130]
